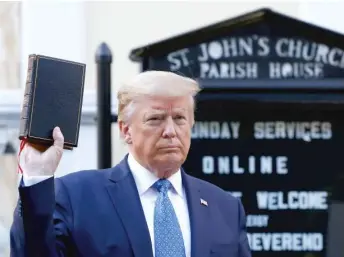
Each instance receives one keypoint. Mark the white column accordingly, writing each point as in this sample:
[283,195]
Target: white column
[54,28]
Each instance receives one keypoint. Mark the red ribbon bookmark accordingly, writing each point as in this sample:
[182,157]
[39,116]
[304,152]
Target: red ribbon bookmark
[22,144]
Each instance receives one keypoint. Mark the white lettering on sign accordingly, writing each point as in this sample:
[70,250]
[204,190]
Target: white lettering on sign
[257,221]
[236,194]
[226,165]
[296,242]
[307,131]
[230,70]
[219,58]
[292,200]
[178,59]
[279,70]
[215,130]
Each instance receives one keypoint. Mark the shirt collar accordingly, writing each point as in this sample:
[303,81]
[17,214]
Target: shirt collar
[144,179]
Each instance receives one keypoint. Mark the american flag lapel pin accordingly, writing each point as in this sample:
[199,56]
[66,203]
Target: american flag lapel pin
[204,202]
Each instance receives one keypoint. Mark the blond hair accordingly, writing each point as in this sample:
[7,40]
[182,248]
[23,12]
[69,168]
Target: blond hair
[153,83]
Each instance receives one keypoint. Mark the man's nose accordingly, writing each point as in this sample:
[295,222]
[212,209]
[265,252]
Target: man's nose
[169,130]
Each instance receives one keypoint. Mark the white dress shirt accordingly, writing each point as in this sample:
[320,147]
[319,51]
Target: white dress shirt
[144,180]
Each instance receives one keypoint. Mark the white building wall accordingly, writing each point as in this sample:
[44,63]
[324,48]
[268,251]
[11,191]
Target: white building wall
[10,38]
[55,28]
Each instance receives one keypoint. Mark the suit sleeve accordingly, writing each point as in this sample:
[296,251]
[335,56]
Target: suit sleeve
[42,221]
[244,247]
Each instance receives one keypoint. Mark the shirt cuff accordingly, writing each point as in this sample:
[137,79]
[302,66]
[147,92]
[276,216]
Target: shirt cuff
[32,180]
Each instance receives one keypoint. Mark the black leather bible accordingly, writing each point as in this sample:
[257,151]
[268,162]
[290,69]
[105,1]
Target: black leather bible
[53,97]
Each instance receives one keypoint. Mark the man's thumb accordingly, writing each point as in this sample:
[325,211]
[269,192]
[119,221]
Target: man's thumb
[52,156]
[58,138]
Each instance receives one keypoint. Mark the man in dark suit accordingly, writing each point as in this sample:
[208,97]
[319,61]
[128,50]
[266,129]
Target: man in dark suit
[146,205]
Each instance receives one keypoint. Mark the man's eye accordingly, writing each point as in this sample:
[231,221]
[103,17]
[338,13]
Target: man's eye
[154,118]
[179,117]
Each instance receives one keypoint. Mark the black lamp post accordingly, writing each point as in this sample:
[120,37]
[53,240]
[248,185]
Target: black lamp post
[104,117]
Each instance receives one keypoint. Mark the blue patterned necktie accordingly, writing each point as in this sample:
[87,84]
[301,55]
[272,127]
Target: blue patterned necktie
[167,233]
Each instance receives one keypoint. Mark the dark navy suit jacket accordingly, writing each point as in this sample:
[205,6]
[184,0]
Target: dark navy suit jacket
[98,213]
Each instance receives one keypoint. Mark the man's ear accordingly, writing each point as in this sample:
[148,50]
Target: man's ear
[125,131]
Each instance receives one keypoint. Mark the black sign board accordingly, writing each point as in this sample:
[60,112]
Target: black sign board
[279,151]
[285,162]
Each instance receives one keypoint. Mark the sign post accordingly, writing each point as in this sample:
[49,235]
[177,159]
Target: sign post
[104,117]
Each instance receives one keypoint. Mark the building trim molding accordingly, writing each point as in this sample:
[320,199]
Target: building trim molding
[11,102]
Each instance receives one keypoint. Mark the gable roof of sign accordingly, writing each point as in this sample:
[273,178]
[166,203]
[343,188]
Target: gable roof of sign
[222,28]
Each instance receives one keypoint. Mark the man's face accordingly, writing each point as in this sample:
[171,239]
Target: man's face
[159,133]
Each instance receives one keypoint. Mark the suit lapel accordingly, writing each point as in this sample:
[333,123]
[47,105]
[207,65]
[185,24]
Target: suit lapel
[199,217]
[126,201]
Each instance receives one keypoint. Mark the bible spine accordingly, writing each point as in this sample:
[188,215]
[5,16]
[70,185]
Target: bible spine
[28,97]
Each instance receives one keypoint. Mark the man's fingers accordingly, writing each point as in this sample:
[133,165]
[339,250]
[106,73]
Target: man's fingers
[58,138]
[38,162]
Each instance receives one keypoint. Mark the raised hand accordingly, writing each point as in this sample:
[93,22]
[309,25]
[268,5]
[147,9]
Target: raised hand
[40,161]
